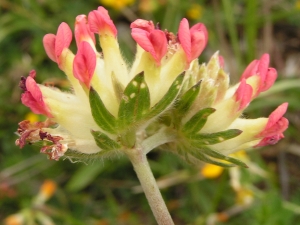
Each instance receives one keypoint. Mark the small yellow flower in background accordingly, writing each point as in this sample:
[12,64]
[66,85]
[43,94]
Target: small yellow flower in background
[14,219]
[48,188]
[46,191]
[32,117]
[117,4]
[148,6]
[297,4]
[244,196]
[195,12]
[211,171]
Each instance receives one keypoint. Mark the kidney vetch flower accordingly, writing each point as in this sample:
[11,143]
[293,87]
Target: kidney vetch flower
[166,98]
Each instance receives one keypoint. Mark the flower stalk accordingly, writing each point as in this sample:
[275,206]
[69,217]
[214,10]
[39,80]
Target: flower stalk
[141,166]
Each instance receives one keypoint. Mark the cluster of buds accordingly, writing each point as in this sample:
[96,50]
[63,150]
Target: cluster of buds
[165,98]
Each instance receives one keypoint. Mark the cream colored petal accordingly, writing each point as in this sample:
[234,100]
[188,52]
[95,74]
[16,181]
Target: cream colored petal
[83,143]
[67,58]
[222,118]
[72,114]
[113,59]
[102,83]
[250,128]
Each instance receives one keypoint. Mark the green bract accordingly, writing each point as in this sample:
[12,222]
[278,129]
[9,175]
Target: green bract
[104,119]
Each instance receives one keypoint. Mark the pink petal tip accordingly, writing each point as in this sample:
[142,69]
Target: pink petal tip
[84,63]
[82,30]
[100,22]
[243,94]
[194,40]
[275,127]
[32,96]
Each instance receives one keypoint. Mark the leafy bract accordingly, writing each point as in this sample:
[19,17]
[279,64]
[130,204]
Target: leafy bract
[135,101]
[104,142]
[187,99]
[195,124]
[168,98]
[104,119]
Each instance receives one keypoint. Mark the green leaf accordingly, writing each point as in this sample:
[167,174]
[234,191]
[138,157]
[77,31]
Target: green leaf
[75,156]
[85,175]
[195,124]
[135,102]
[199,155]
[168,98]
[187,99]
[104,142]
[101,115]
[208,155]
[219,155]
[214,138]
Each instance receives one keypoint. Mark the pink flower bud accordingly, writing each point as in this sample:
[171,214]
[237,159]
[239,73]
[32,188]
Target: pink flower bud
[32,96]
[271,76]
[82,30]
[143,24]
[243,94]
[275,127]
[100,22]
[250,70]
[84,63]
[193,40]
[55,44]
[261,68]
[153,41]
[49,45]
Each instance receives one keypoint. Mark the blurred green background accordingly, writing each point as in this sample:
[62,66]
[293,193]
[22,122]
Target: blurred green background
[107,192]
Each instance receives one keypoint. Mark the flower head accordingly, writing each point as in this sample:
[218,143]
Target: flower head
[165,98]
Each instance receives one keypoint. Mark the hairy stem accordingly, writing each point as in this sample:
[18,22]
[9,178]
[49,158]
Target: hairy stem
[163,136]
[150,188]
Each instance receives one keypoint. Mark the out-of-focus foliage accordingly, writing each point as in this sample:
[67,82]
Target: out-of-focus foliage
[108,192]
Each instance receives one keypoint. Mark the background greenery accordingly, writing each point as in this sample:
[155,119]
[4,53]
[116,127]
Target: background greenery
[105,192]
